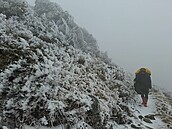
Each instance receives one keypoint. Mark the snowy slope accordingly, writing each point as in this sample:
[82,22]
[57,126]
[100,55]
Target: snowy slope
[53,75]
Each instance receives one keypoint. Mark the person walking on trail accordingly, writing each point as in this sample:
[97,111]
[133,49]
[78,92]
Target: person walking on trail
[142,84]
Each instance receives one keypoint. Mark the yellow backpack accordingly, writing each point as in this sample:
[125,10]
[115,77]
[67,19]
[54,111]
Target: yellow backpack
[147,71]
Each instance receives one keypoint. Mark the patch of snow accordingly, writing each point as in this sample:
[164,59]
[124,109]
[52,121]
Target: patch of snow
[44,121]
[4,127]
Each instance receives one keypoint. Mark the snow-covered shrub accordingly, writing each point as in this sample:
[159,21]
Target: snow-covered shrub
[52,10]
[73,34]
[47,81]
[13,7]
[54,91]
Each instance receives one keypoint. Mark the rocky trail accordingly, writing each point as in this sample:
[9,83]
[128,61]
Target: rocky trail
[149,118]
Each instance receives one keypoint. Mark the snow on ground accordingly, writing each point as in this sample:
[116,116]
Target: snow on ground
[140,110]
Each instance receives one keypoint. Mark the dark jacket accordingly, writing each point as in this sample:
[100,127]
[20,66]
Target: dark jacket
[142,83]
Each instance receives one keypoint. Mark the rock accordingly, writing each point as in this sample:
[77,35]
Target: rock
[129,121]
[135,127]
[169,126]
[140,117]
[150,116]
[147,127]
[147,120]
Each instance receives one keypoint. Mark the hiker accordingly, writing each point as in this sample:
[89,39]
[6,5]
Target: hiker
[142,84]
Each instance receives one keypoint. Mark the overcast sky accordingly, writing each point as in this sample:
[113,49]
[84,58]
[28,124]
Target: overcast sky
[134,33]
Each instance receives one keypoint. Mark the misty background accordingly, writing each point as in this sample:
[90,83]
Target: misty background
[135,33]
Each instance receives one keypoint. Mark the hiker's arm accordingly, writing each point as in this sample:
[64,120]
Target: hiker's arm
[150,83]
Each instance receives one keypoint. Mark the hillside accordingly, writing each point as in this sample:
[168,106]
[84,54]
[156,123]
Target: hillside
[53,74]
